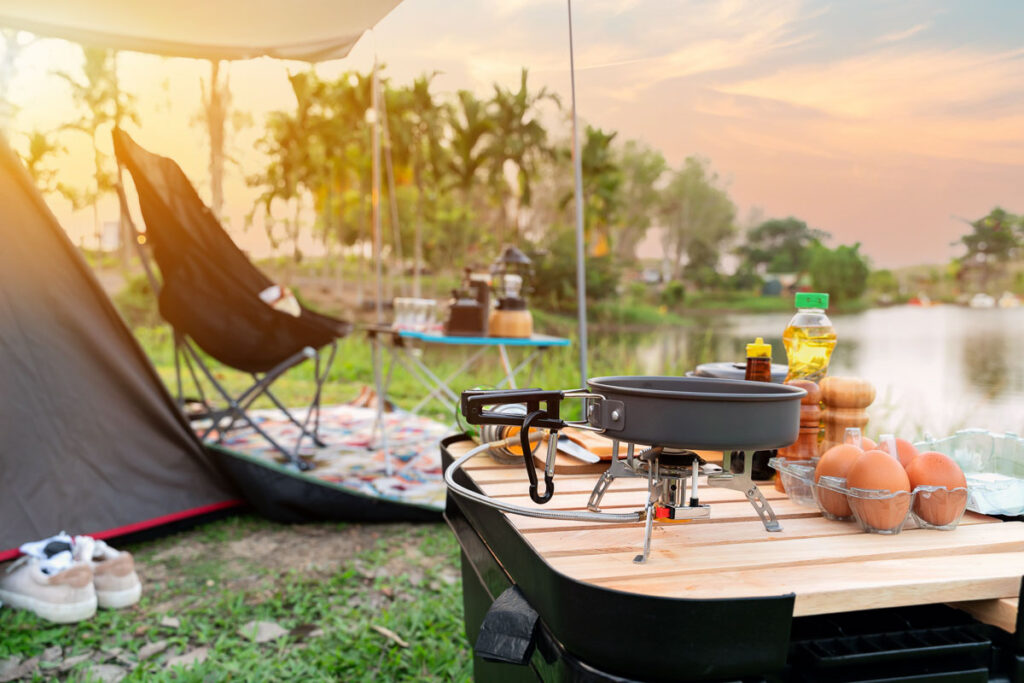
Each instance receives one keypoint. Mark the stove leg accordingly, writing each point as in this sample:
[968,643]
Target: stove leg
[648,527]
[594,504]
[763,509]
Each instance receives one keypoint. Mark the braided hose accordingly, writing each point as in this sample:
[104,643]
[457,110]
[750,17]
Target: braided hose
[566,515]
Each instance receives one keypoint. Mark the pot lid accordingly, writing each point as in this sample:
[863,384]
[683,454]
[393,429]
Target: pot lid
[728,370]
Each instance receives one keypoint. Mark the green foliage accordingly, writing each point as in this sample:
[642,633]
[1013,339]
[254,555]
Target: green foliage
[673,294]
[602,185]
[642,170]
[745,278]
[883,282]
[554,286]
[101,106]
[698,216]
[137,304]
[781,245]
[992,242]
[842,272]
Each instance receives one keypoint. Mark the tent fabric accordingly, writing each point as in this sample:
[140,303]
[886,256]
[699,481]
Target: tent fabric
[306,30]
[210,290]
[90,440]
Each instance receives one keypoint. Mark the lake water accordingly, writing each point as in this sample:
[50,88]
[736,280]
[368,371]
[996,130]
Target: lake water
[935,369]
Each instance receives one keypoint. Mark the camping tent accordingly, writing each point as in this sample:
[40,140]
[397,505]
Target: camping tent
[90,440]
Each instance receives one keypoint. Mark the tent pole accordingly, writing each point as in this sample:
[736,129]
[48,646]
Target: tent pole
[375,195]
[581,273]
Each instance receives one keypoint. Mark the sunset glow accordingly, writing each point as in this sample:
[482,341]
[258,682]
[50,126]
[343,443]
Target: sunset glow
[877,123]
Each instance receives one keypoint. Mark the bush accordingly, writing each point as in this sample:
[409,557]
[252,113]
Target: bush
[842,272]
[554,268]
[674,294]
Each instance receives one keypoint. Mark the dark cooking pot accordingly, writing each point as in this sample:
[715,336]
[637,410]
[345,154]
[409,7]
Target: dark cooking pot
[695,413]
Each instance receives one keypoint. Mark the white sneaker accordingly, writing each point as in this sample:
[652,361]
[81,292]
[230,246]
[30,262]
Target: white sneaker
[114,578]
[50,582]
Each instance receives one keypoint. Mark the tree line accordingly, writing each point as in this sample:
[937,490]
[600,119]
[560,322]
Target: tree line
[465,174]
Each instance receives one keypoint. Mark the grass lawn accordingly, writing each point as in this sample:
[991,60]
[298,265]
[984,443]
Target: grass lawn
[349,602]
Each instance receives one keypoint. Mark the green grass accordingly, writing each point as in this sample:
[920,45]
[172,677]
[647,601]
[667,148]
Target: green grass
[406,581]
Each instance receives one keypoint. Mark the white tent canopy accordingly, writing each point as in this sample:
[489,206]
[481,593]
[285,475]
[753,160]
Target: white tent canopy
[307,30]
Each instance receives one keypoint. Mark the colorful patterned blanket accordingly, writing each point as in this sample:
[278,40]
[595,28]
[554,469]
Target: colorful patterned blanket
[348,461]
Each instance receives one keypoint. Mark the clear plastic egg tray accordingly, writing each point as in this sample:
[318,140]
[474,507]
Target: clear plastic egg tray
[994,467]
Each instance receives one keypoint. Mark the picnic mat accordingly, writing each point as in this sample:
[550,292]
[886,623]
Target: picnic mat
[346,460]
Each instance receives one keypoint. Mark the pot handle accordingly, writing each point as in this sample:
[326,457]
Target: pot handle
[473,403]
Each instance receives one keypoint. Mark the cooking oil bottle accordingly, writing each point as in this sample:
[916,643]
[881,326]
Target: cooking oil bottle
[809,338]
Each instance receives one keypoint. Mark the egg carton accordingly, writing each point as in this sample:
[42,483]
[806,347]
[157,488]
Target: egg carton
[993,465]
[797,478]
[886,512]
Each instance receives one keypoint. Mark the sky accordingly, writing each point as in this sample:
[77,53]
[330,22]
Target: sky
[883,123]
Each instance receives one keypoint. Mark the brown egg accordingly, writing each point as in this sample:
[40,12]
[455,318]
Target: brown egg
[935,469]
[836,462]
[867,444]
[879,471]
[906,452]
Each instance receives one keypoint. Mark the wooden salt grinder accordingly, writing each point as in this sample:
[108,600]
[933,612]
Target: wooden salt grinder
[845,401]
[806,446]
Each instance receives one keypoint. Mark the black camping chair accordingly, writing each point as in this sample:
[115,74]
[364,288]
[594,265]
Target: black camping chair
[210,294]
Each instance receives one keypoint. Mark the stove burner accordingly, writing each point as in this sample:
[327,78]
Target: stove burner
[667,471]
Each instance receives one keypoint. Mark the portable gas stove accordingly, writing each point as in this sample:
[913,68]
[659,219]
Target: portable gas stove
[667,471]
[679,415]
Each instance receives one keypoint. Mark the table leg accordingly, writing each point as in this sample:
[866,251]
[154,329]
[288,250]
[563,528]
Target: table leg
[379,419]
[509,373]
[443,386]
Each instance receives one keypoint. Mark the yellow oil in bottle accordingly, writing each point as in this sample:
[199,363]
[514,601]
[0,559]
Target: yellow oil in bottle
[808,350]
[809,338]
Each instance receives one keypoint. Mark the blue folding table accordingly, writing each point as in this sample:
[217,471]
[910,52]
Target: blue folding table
[405,349]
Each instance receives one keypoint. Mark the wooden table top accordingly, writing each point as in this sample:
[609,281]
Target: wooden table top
[830,566]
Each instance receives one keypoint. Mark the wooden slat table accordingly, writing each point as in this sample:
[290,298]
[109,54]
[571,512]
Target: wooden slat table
[829,566]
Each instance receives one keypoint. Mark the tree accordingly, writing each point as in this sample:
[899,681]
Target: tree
[884,283]
[14,43]
[40,148]
[698,217]
[216,102]
[519,139]
[428,158]
[602,188]
[101,105]
[842,272]
[781,245]
[992,242]
[642,170]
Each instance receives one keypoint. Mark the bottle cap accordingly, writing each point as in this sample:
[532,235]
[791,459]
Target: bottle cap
[759,349]
[811,300]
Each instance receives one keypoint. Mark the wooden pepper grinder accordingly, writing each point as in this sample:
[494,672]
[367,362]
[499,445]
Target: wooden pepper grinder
[806,446]
[845,401]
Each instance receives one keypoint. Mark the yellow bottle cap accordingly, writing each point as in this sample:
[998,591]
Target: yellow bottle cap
[759,349]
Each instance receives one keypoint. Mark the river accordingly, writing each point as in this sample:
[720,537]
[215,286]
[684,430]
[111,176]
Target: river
[935,369]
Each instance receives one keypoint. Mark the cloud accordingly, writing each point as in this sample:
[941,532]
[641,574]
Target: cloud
[902,35]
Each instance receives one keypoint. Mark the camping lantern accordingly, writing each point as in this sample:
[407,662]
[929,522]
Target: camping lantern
[509,274]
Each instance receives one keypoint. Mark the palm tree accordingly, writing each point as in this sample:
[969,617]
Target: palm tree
[470,128]
[519,138]
[101,103]
[427,157]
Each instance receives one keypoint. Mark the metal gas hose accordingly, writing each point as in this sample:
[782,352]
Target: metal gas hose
[568,515]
